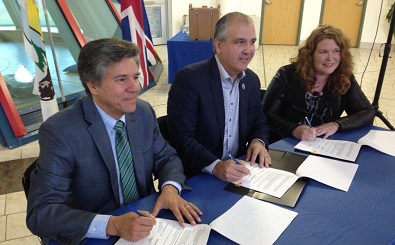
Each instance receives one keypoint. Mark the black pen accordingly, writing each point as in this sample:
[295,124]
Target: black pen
[234,159]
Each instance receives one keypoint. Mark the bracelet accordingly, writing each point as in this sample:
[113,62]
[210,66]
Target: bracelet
[337,124]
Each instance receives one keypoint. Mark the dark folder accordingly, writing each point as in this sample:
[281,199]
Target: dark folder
[283,160]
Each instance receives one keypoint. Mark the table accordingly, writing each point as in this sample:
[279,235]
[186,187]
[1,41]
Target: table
[182,51]
[363,215]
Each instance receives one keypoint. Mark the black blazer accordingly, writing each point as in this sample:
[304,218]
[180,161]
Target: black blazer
[196,115]
[285,106]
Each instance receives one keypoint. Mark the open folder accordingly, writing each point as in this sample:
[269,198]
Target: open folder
[277,182]
[282,160]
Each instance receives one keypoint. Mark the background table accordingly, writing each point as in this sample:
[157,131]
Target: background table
[363,215]
[181,52]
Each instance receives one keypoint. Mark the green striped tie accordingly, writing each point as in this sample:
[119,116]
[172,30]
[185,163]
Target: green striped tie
[125,163]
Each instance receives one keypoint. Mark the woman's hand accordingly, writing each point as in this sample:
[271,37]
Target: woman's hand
[327,129]
[304,132]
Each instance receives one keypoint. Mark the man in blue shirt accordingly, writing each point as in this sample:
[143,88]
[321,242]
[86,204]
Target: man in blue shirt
[78,177]
[214,108]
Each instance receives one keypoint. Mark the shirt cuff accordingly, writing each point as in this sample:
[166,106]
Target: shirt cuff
[209,168]
[175,184]
[98,226]
[264,145]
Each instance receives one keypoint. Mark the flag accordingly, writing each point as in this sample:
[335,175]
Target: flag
[135,28]
[35,49]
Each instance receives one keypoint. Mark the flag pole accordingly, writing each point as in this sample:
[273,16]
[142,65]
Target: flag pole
[54,54]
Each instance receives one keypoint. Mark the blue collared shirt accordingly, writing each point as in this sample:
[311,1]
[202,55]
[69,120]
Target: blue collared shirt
[97,228]
[231,95]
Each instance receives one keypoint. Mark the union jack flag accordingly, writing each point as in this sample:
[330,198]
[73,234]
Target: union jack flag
[135,28]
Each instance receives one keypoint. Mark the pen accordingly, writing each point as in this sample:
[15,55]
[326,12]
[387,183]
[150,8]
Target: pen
[134,210]
[234,159]
[308,121]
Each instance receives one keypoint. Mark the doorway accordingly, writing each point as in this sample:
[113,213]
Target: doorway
[281,22]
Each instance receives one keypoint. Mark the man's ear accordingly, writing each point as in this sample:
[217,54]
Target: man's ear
[92,87]
[217,46]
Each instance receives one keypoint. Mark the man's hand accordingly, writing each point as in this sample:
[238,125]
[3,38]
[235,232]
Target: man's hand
[170,199]
[131,226]
[229,171]
[257,149]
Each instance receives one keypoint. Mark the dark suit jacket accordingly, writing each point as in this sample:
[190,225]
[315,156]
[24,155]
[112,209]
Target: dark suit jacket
[76,172]
[196,115]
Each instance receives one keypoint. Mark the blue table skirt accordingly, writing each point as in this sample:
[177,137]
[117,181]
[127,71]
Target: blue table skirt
[182,51]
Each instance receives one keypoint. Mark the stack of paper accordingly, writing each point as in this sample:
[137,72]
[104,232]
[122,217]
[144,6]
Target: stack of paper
[346,150]
[339,149]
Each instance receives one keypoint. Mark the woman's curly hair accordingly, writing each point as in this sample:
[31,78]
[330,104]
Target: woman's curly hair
[339,81]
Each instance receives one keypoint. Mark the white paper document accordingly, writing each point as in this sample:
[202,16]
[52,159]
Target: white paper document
[340,149]
[270,181]
[380,140]
[275,182]
[251,221]
[169,232]
[335,173]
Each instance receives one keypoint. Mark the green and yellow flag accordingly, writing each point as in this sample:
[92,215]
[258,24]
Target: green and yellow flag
[35,49]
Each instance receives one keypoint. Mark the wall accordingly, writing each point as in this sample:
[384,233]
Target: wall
[310,16]
[370,24]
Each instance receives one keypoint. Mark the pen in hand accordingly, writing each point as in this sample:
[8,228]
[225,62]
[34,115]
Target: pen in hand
[234,159]
[134,210]
[308,122]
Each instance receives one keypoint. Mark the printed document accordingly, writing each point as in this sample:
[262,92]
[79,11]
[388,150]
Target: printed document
[380,140]
[169,232]
[271,181]
[275,182]
[340,149]
[242,223]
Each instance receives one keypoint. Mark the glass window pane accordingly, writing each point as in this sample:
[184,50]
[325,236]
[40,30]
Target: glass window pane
[5,18]
[18,69]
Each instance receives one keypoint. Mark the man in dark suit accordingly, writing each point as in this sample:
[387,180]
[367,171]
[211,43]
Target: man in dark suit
[77,180]
[214,106]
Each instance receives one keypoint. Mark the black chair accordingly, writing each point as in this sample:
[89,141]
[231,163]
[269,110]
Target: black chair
[26,182]
[162,121]
[26,177]
[262,93]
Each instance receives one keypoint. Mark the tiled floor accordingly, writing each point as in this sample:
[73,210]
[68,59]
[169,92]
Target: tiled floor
[266,62]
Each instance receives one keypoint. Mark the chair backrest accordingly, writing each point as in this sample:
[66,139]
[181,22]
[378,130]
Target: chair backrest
[162,121]
[26,177]
[262,93]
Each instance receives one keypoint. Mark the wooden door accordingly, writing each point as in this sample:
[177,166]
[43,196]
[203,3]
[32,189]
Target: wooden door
[281,20]
[345,15]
